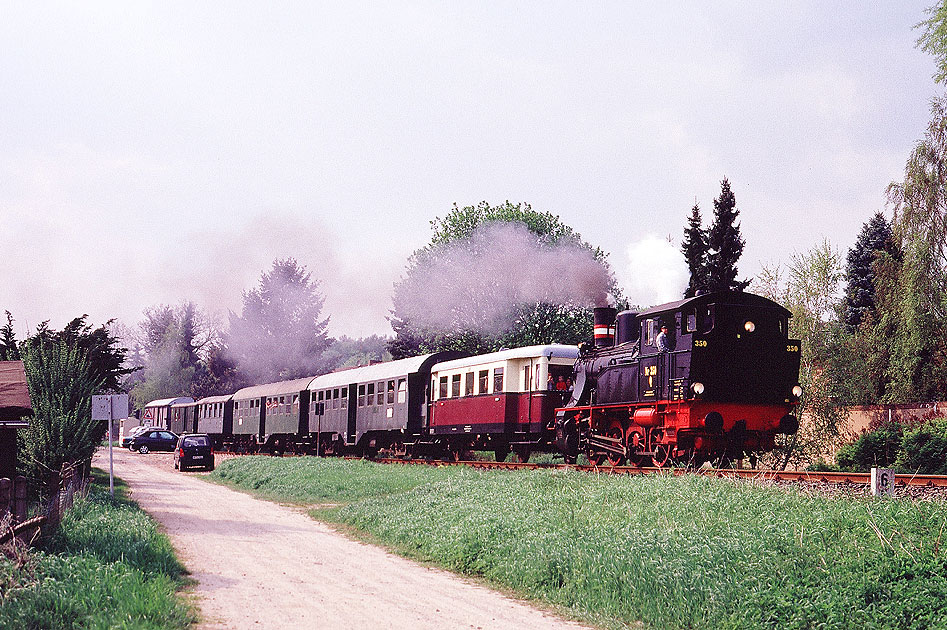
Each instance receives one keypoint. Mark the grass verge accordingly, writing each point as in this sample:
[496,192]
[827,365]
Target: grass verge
[674,552]
[106,567]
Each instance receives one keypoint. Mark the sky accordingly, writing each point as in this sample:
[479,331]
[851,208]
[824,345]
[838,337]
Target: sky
[157,152]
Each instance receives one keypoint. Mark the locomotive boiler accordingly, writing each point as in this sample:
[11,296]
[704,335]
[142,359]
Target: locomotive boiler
[722,382]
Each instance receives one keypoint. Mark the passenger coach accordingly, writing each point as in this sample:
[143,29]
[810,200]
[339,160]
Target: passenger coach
[369,408]
[501,401]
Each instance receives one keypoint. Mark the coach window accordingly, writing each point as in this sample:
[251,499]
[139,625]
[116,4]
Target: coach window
[526,383]
[391,393]
[497,380]
[381,393]
[361,395]
[483,378]
[469,384]
[442,389]
[402,392]
[344,398]
[370,399]
[455,385]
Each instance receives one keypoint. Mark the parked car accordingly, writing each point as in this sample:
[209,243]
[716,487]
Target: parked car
[195,449]
[127,440]
[154,440]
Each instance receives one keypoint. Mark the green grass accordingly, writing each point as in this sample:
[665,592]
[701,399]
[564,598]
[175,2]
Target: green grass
[106,567]
[675,552]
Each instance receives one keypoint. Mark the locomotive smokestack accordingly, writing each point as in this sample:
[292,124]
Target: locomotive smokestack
[603,318]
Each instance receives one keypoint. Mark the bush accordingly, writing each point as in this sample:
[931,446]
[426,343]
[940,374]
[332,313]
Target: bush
[924,449]
[877,448]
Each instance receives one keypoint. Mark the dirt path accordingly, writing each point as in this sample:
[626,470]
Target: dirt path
[262,565]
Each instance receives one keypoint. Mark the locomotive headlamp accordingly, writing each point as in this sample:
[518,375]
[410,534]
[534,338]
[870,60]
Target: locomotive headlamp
[749,326]
[797,391]
[698,388]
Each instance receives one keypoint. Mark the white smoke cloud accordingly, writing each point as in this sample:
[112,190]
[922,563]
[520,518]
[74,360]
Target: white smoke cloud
[475,284]
[655,272]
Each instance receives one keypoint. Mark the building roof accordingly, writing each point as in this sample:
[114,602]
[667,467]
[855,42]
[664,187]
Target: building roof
[15,401]
[169,401]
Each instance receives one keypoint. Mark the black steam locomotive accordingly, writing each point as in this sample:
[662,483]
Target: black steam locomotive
[722,382]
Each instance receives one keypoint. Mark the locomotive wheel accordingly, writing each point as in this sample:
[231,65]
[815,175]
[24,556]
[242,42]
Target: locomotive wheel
[661,452]
[501,452]
[635,442]
[615,431]
[596,458]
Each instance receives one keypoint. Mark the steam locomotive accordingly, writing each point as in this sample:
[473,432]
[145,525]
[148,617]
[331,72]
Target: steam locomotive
[725,384]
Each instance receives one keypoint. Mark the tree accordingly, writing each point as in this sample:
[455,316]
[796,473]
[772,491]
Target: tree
[103,351]
[175,343]
[490,275]
[934,39]
[695,252]
[280,333]
[810,291]
[725,244]
[9,349]
[875,237]
[61,381]
[918,366]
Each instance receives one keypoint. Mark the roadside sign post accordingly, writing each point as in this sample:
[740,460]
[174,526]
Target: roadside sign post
[110,408]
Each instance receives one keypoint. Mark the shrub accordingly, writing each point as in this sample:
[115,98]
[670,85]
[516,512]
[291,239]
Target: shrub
[879,448]
[924,449]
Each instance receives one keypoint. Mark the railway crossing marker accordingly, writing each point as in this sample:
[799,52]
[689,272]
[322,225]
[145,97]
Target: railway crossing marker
[882,482]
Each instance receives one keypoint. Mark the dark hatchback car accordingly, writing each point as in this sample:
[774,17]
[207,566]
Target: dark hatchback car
[153,440]
[193,450]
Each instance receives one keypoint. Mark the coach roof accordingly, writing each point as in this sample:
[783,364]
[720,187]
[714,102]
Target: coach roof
[381,371]
[273,389]
[528,352]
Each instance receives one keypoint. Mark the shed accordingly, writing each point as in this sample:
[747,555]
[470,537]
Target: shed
[15,409]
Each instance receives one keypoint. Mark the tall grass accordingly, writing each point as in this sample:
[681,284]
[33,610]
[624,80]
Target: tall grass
[106,567]
[674,552]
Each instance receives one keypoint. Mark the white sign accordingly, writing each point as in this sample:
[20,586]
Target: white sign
[882,482]
[113,407]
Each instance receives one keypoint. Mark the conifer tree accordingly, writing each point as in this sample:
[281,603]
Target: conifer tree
[694,249]
[874,238]
[725,243]
[9,349]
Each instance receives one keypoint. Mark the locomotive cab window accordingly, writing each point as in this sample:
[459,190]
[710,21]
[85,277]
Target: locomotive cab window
[690,322]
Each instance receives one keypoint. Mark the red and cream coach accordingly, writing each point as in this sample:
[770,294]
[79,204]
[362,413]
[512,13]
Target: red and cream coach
[503,401]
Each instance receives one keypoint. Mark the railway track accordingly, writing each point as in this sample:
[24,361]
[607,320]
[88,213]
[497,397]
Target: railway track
[838,478]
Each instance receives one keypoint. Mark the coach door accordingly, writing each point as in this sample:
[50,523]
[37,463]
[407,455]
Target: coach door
[353,414]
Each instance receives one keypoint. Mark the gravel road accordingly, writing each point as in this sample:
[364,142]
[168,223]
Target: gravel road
[262,565]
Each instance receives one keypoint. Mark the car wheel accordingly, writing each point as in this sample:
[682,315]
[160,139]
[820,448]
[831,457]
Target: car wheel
[143,449]
[211,467]
[131,447]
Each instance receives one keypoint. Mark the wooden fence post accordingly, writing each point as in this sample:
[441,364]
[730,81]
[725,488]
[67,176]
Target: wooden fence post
[19,494]
[6,495]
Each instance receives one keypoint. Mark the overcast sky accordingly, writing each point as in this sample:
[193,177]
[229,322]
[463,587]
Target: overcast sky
[152,153]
